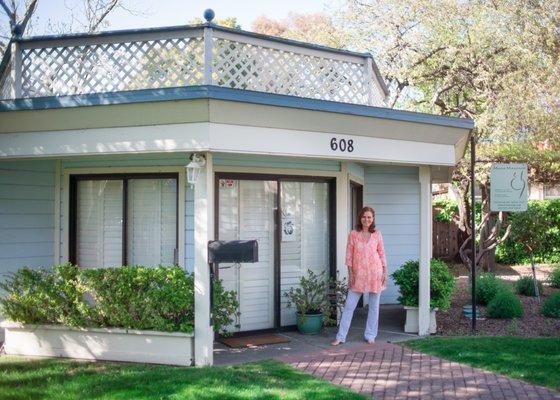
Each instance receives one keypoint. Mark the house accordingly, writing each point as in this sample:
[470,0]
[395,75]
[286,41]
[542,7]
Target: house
[96,131]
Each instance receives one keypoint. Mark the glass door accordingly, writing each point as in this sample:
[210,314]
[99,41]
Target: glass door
[304,237]
[246,211]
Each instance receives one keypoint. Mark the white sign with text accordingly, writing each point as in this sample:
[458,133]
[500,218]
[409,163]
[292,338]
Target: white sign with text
[508,187]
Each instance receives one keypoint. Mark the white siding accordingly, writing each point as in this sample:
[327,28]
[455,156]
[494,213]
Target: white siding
[394,193]
[26,214]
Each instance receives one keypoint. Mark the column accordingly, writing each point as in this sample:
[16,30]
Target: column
[425,249]
[203,232]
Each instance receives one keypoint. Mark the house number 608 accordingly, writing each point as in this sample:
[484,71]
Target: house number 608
[342,145]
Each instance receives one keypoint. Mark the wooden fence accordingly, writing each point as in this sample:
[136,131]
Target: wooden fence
[447,239]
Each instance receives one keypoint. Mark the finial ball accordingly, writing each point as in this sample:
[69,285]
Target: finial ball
[209,15]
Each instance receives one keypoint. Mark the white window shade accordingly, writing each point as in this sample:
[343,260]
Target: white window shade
[152,222]
[99,223]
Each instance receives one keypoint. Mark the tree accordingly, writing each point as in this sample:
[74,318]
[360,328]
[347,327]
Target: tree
[83,15]
[318,28]
[495,62]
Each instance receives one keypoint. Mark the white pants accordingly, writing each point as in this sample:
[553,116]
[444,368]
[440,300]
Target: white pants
[348,312]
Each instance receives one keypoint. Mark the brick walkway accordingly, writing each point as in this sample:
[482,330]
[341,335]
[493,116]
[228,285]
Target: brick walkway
[387,371]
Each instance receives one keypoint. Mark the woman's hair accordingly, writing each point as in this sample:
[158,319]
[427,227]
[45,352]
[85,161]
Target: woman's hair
[361,214]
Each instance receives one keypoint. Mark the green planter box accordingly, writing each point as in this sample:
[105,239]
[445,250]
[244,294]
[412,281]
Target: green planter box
[309,324]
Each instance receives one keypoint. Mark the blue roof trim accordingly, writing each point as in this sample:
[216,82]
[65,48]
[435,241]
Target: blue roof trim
[222,93]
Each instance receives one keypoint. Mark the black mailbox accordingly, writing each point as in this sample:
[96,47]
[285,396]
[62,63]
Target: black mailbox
[233,251]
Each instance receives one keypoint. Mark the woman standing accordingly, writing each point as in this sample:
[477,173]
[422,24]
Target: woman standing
[367,274]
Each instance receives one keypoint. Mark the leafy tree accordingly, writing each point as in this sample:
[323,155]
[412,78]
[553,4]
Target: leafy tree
[318,28]
[495,62]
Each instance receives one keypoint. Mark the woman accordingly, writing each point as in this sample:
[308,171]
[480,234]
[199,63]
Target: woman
[367,274]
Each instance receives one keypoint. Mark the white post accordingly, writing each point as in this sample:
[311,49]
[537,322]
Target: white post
[16,70]
[208,56]
[425,250]
[203,232]
[370,84]
[341,220]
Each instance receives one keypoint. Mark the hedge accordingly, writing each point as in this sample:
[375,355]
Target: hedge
[131,297]
[511,252]
[547,211]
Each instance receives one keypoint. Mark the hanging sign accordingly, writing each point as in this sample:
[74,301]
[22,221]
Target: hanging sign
[508,187]
[288,228]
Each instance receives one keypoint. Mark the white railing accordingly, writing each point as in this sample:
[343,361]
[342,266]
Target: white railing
[187,56]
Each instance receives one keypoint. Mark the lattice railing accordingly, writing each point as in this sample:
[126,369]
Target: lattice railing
[187,57]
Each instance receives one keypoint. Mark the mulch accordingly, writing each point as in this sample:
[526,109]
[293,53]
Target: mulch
[532,323]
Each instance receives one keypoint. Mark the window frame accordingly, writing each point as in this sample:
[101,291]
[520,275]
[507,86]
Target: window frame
[124,177]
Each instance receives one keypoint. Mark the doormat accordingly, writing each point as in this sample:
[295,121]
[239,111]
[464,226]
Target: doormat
[254,340]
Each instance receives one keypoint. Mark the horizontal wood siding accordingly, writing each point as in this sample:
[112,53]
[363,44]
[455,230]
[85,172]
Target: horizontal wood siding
[148,160]
[26,214]
[242,160]
[394,193]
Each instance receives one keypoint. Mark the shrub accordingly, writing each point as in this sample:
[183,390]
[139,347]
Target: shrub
[441,284]
[159,298]
[487,286]
[551,306]
[505,304]
[547,212]
[554,276]
[526,287]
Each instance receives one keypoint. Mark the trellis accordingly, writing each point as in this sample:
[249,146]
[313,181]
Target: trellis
[187,56]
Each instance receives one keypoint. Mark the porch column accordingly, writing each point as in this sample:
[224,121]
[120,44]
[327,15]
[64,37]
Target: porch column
[425,250]
[341,220]
[203,232]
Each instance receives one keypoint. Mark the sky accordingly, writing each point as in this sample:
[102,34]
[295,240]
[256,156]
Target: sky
[176,12]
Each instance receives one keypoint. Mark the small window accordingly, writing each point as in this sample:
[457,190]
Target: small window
[124,220]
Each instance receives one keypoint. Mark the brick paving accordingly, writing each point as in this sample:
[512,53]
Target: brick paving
[388,371]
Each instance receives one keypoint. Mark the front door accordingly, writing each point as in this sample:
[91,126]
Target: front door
[246,212]
[291,221]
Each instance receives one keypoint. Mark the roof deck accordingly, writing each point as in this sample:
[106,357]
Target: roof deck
[184,56]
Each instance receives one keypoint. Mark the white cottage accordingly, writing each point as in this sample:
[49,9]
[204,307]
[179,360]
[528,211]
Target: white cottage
[96,131]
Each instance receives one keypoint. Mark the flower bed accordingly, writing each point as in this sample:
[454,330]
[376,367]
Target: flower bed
[531,324]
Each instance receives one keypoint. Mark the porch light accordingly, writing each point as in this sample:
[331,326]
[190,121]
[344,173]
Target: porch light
[194,167]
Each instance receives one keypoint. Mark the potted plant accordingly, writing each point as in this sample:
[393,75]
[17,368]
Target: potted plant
[441,287]
[316,301]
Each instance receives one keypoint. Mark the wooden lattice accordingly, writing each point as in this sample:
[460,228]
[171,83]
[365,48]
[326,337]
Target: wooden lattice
[7,83]
[253,67]
[151,60]
[110,67]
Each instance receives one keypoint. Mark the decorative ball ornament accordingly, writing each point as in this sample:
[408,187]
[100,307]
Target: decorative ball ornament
[209,15]
[17,30]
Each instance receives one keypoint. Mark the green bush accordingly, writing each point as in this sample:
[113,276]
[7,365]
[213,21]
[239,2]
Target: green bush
[487,286]
[525,286]
[441,284]
[446,210]
[551,306]
[547,211]
[554,276]
[505,304]
[135,297]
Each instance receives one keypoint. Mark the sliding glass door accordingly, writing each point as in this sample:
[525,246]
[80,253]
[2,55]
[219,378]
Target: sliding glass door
[290,219]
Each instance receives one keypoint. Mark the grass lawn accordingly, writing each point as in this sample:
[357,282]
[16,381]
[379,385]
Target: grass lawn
[22,378]
[535,360]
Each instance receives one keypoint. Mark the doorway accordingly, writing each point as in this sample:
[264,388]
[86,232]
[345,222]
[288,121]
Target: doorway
[291,218]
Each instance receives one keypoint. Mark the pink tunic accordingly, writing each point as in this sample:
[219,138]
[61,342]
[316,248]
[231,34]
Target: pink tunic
[366,259]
